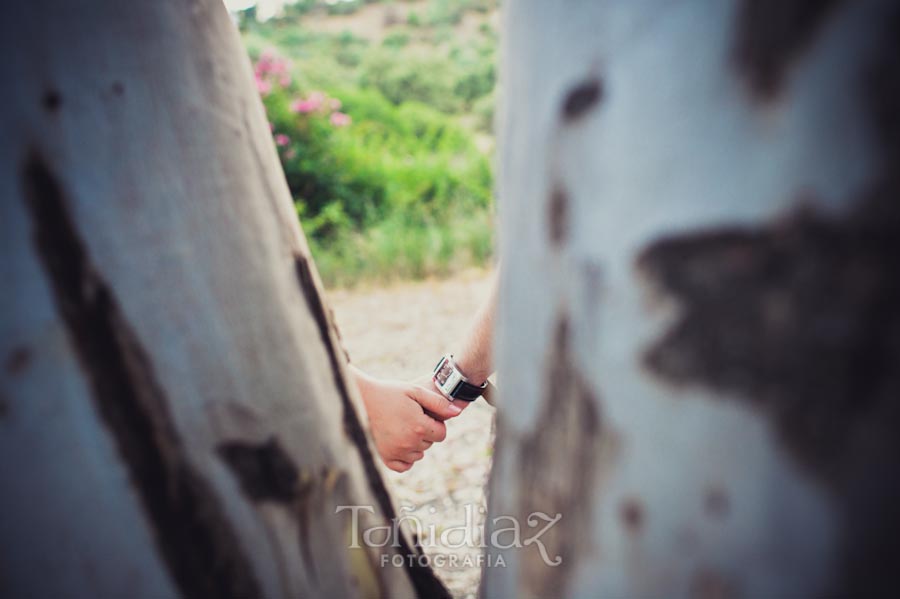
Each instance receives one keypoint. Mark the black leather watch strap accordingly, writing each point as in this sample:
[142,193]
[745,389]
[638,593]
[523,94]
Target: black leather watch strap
[467,391]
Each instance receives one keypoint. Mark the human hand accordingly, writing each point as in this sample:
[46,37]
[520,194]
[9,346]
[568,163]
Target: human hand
[401,429]
[428,383]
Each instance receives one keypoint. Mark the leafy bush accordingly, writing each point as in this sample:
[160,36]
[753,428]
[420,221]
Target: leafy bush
[377,139]
[484,110]
[445,12]
[343,7]
[383,188]
[397,39]
[476,82]
[426,79]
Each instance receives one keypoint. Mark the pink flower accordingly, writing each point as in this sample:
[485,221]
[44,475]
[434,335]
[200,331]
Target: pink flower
[290,153]
[311,104]
[265,62]
[282,140]
[271,67]
[279,66]
[339,119]
[334,103]
[263,86]
[302,106]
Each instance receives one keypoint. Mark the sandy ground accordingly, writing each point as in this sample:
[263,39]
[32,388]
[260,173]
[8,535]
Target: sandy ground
[400,332]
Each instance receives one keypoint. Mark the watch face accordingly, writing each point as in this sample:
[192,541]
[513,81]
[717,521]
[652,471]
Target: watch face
[444,372]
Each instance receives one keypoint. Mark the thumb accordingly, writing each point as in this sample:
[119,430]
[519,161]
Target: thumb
[435,403]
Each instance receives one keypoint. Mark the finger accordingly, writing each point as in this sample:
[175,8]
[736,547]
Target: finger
[414,456]
[461,404]
[398,465]
[435,403]
[425,444]
[435,430]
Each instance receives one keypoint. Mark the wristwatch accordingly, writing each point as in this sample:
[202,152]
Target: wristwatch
[453,384]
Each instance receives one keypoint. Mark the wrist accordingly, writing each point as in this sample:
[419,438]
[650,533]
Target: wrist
[473,370]
[364,383]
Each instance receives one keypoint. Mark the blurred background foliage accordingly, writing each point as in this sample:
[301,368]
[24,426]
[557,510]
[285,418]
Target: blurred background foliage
[382,114]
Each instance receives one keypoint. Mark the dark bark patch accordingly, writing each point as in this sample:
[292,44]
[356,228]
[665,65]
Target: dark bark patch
[770,35]
[581,99]
[707,583]
[558,216]
[559,461]
[18,360]
[422,577]
[871,492]
[194,537]
[265,471]
[631,512]
[52,100]
[716,502]
[801,319]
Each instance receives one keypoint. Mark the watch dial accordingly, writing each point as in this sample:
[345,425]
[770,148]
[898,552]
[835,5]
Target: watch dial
[444,373]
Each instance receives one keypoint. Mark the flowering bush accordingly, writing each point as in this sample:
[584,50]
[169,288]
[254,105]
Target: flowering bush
[363,170]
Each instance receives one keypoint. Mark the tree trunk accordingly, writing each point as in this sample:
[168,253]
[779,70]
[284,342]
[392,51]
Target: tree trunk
[175,413]
[699,331]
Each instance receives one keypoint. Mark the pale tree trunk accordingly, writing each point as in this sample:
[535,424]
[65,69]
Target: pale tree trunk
[699,331]
[175,417]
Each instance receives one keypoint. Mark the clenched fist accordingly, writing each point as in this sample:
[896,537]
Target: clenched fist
[401,429]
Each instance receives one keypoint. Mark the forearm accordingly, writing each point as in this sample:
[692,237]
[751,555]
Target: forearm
[474,357]
[363,381]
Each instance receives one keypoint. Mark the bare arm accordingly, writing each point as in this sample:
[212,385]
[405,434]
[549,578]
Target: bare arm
[474,358]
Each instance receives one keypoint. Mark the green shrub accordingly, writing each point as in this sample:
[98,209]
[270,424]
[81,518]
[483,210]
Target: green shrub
[343,7]
[484,110]
[384,173]
[397,39]
[476,82]
[426,79]
[445,12]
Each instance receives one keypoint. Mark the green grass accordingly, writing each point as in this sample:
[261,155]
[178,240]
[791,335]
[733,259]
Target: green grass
[396,248]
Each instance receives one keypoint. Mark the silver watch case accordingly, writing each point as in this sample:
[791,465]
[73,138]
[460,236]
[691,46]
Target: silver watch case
[448,378]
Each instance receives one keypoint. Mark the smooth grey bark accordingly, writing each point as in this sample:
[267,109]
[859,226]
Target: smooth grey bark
[698,324]
[175,417]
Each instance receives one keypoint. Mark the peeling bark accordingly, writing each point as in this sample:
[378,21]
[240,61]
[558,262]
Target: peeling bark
[558,469]
[196,540]
[722,234]
[265,471]
[176,418]
[422,578]
[770,35]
